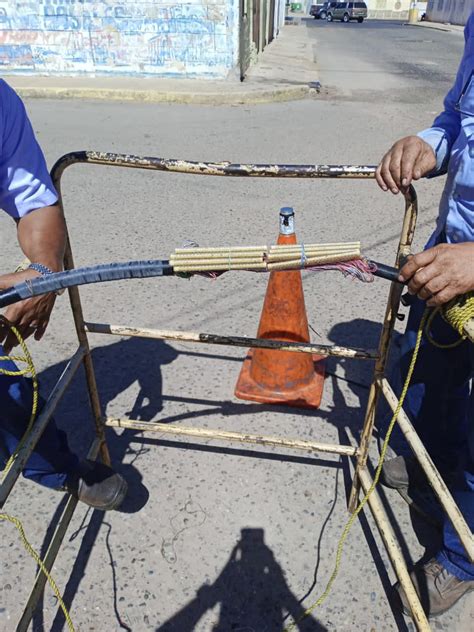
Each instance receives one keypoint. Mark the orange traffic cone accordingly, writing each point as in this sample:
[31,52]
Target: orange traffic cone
[283,377]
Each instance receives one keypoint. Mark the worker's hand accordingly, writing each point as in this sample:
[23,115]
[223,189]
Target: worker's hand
[409,159]
[441,273]
[30,316]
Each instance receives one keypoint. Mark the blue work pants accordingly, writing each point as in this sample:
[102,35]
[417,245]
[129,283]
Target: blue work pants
[52,462]
[440,403]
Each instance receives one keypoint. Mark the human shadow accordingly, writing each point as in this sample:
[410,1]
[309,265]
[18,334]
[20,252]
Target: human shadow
[251,592]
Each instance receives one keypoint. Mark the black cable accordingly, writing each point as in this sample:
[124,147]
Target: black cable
[83,276]
[116,272]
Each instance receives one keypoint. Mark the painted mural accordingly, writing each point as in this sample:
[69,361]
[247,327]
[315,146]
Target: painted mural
[147,37]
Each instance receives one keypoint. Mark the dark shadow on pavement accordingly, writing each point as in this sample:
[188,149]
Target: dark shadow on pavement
[251,591]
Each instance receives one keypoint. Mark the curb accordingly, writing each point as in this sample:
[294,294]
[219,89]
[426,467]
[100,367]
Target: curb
[250,97]
[440,27]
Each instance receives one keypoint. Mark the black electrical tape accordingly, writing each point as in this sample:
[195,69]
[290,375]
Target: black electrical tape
[83,276]
[385,272]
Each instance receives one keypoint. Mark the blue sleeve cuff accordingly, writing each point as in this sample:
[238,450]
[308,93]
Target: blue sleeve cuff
[436,138]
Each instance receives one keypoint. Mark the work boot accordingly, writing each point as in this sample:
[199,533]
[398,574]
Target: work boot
[97,485]
[405,474]
[437,588]
[402,472]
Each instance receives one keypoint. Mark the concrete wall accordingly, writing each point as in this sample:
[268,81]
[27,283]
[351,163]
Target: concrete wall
[453,11]
[116,37]
[388,9]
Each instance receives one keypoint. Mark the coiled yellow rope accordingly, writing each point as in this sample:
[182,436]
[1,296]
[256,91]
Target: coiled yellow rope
[457,313]
[31,372]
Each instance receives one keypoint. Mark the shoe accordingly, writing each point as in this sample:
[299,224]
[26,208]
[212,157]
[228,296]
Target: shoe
[406,476]
[437,588]
[97,485]
[402,472]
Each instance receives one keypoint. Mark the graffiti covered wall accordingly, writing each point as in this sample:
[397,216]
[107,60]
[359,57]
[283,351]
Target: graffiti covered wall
[143,37]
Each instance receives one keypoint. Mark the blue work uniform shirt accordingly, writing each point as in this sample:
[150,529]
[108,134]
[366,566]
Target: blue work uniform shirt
[452,139]
[25,184]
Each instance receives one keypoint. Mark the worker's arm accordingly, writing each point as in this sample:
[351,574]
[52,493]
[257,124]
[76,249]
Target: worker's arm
[441,273]
[413,157]
[42,237]
[28,196]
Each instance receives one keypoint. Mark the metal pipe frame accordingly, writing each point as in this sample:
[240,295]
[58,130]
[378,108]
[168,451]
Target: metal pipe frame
[432,474]
[225,435]
[361,476]
[394,551]
[231,341]
[52,552]
[393,303]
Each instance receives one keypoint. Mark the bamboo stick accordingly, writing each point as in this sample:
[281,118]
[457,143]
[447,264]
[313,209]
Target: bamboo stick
[219,249]
[278,257]
[314,261]
[224,254]
[221,267]
[220,260]
[331,247]
[285,251]
[354,254]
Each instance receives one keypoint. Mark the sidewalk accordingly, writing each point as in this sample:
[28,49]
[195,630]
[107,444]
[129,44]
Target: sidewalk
[439,26]
[283,73]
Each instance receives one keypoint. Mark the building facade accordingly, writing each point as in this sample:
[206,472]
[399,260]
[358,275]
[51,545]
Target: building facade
[388,9]
[190,38]
[452,11]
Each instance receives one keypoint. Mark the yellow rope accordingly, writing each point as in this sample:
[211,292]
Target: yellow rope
[364,500]
[457,313]
[39,561]
[31,371]
[28,370]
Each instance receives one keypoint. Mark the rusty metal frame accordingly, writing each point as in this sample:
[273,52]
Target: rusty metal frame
[380,386]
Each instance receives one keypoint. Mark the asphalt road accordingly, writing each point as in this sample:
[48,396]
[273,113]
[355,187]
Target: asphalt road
[212,535]
[378,61]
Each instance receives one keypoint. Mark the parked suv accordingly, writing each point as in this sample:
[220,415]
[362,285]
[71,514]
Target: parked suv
[320,11]
[347,11]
